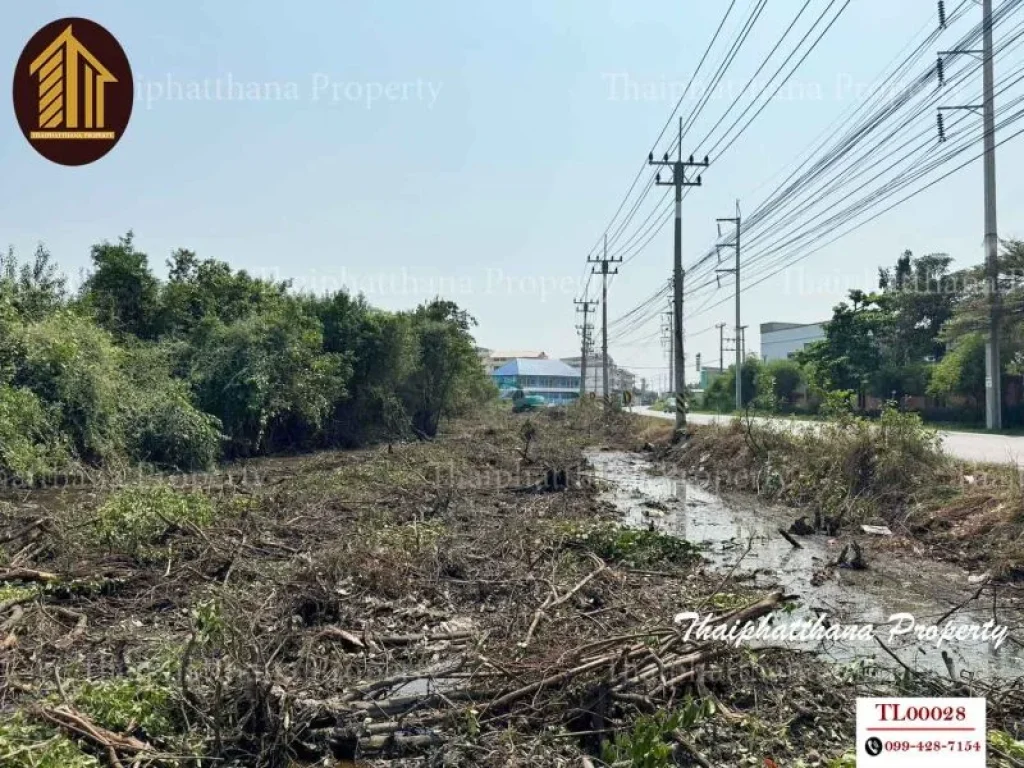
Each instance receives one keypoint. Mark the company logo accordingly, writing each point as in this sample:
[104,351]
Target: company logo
[73,91]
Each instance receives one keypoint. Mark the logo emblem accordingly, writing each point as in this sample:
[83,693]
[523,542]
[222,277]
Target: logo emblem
[73,91]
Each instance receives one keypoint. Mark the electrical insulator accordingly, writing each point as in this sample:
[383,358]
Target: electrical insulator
[699,181]
[706,160]
[698,361]
[650,157]
[666,156]
[657,178]
[942,128]
[940,67]
[942,14]
[691,158]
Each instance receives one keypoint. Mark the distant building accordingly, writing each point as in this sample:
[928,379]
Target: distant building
[780,341]
[553,380]
[619,379]
[708,375]
[493,359]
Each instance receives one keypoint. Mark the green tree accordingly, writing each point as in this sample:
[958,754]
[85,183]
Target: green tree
[33,290]
[212,361]
[971,313]
[446,376]
[779,382]
[962,370]
[850,355]
[198,289]
[121,291]
[921,295]
[267,379]
[379,347]
[721,394]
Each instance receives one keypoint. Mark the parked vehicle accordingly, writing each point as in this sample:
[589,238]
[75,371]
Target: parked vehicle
[522,402]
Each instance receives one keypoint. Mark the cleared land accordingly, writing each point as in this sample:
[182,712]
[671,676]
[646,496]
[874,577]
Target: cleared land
[465,601]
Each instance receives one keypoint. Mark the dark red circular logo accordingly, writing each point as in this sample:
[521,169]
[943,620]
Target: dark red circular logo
[73,91]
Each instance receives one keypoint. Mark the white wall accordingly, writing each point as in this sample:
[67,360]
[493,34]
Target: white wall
[778,345]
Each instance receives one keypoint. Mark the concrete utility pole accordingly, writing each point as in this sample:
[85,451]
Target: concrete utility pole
[993,364]
[604,261]
[666,330]
[679,180]
[586,307]
[736,221]
[721,347]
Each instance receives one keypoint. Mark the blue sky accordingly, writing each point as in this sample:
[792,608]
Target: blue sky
[471,149]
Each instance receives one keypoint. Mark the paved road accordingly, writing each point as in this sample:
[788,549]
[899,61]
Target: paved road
[970,446]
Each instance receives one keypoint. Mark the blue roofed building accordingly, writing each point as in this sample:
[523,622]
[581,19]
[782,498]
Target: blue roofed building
[553,380]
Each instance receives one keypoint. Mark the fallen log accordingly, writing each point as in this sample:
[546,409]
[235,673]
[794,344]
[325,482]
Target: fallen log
[81,623]
[399,742]
[412,639]
[347,638]
[788,537]
[28,574]
[76,723]
[754,611]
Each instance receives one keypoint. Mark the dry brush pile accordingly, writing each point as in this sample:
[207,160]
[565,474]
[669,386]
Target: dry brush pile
[467,601]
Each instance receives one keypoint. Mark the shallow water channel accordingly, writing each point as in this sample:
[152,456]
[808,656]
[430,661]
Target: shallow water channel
[742,535]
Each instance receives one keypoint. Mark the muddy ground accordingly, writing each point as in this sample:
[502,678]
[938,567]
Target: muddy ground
[472,601]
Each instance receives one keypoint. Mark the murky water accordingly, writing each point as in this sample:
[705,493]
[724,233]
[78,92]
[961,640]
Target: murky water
[744,535]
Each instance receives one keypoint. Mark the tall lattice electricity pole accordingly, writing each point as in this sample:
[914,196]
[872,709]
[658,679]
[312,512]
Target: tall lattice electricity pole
[679,180]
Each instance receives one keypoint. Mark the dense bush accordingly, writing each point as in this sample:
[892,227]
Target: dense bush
[29,441]
[72,365]
[212,363]
[835,467]
[267,379]
[163,426]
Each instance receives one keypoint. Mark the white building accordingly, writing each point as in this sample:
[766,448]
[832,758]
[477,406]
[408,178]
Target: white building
[780,341]
[493,359]
[619,379]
